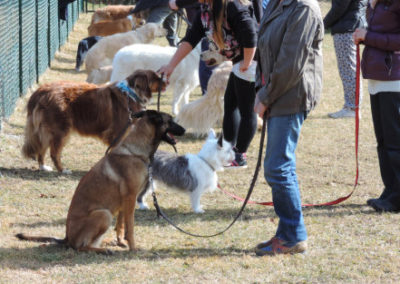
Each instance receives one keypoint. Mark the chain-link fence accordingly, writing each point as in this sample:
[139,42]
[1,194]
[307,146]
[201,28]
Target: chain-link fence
[31,31]
[92,5]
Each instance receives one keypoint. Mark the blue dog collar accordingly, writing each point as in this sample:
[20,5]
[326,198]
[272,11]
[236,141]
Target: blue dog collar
[124,87]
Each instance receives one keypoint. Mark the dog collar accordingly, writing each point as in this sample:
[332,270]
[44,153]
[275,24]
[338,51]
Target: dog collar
[124,87]
[208,164]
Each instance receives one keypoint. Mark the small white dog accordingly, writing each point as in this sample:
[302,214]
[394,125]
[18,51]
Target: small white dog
[194,174]
[183,80]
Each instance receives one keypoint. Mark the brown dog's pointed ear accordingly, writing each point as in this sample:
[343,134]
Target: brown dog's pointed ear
[220,140]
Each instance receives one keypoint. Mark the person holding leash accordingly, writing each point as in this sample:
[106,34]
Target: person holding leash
[289,83]
[381,66]
[231,27]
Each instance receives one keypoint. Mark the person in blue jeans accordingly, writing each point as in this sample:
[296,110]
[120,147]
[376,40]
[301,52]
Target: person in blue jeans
[289,83]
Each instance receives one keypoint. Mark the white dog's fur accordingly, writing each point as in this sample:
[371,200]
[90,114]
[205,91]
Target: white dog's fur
[183,80]
[102,53]
[212,56]
[203,113]
[201,167]
[100,76]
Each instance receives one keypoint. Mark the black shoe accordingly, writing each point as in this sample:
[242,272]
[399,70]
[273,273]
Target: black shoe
[383,205]
[385,194]
[240,162]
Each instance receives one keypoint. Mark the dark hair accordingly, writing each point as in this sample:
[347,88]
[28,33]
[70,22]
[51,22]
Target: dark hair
[386,2]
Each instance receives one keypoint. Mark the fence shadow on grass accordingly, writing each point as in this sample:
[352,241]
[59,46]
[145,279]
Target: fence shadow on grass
[65,70]
[149,218]
[46,256]
[31,174]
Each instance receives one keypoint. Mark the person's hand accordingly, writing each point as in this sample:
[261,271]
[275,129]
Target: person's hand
[359,35]
[172,5]
[166,70]
[244,66]
[260,108]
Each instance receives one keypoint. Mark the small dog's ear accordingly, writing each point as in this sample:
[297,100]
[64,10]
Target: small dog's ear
[220,140]
[211,134]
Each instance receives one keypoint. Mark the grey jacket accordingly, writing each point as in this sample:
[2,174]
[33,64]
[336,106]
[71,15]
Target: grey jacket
[290,56]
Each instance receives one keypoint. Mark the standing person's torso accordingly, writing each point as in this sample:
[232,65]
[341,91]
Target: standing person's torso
[348,20]
[381,56]
[305,93]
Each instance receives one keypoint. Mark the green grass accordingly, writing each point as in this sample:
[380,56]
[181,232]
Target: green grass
[347,243]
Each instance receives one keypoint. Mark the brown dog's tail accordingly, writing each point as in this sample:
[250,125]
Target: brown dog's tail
[24,237]
[33,144]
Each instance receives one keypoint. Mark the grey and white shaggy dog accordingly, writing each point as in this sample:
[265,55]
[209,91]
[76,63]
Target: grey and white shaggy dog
[194,174]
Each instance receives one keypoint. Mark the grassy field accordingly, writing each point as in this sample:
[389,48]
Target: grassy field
[347,243]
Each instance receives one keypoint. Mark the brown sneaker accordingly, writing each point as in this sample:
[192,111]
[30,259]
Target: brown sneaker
[277,246]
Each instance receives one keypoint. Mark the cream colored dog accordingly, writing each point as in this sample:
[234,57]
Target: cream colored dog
[204,113]
[102,53]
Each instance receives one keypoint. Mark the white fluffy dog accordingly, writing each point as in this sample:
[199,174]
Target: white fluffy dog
[183,80]
[203,113]
[102,53]
[194,174]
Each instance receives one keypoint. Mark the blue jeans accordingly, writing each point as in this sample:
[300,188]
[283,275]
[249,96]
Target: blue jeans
[204,70]
[280,173]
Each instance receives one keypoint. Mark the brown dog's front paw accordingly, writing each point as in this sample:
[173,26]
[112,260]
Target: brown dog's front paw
[121,244]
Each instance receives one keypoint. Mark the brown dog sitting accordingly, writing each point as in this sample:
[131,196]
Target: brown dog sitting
[55,109]
[112,185]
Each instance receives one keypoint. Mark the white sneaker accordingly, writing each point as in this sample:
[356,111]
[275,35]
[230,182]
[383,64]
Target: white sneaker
[343,113]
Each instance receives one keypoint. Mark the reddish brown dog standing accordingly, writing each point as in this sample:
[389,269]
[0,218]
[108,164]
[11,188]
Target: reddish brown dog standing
[110,188]
[111,12]
[56,109]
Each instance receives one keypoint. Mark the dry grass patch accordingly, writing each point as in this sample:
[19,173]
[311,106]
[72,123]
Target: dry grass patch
[348,242]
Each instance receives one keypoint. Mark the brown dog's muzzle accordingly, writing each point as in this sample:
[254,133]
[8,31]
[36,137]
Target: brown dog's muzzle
[174,129]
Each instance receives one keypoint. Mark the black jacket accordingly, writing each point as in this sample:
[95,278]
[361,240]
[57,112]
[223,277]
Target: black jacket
[346,15]
[149,4]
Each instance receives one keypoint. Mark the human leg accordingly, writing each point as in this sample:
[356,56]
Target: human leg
[204,70]
[280,173]
[385,108]
[245,94]
[170,24]
[345,50]
[163,14]
[231,118]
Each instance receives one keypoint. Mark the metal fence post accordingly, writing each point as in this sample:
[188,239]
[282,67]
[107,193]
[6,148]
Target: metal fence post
[37,40]
[20,45]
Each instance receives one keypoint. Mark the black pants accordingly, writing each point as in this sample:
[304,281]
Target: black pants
[240,120]
[385,108]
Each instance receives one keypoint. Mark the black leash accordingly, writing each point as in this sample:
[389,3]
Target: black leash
[159,91]
[183,17]
[160,213]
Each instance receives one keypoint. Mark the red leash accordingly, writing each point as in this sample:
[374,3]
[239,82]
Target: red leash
[357,122]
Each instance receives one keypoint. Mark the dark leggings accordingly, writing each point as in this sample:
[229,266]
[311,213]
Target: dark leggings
[385,108]
[240,120]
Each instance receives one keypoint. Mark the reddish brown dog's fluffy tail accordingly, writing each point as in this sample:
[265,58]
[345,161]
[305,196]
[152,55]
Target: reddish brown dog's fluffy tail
[24,237]
[33,144]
